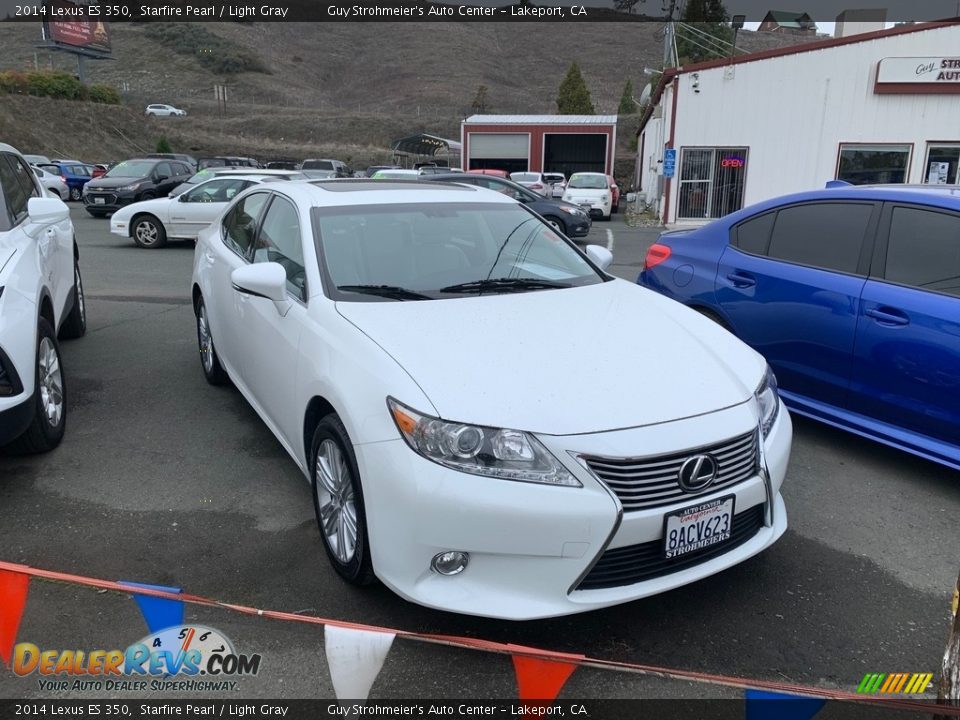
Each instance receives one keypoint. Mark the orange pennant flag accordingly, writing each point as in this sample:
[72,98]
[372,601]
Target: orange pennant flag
[13,598]
[539,680]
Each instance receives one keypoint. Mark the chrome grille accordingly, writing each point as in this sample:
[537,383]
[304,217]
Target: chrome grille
[649,482]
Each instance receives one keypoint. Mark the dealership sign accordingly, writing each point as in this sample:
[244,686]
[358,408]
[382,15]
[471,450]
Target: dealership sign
[918,74]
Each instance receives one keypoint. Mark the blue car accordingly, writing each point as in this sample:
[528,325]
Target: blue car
[853,296]
[74,174]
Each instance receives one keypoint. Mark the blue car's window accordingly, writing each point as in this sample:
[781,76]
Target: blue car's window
[824,235]
[753,235]
[924,250]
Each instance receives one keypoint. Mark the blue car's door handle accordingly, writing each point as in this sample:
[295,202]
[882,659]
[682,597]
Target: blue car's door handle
[887,316]
[740,280]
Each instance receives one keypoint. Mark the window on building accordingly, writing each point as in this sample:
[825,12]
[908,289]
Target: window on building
[942,165]
[873,164]
[924,250]
[711,182]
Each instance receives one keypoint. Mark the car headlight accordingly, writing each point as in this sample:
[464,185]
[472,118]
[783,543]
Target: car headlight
[768,401]
[604,197]
[133,187]
[492,452]
[573,211]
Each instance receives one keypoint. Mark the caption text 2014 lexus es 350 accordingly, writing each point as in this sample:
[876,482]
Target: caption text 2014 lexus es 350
[491,423]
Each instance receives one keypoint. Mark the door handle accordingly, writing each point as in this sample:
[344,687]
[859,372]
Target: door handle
[741,280]
[887,316]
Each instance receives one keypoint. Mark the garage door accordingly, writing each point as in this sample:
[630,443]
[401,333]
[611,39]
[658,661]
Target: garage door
[499,145]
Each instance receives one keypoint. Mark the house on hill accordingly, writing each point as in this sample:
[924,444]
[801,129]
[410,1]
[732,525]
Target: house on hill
[783,21]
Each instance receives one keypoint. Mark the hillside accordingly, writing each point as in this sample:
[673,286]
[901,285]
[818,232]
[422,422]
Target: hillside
[347,89]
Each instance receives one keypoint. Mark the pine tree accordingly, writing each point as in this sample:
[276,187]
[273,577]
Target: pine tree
[479,104]
[573,98]
[163,145]
[627,105]
[708,16]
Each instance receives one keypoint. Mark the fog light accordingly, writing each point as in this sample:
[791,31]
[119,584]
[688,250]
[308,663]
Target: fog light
[450,562]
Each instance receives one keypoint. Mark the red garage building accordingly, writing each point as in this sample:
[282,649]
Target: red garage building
[539,143]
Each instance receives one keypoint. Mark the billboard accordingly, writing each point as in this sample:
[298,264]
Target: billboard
[87,34]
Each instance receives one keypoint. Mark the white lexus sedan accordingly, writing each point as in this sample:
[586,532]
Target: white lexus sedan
[490,423]
[150,223]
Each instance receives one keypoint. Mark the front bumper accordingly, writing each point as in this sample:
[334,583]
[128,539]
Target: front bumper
[577,226]
[532,545]
[16,414]
[105,201]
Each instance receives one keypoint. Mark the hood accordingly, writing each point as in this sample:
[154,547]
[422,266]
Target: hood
[110,183]
[585,192]
[158,206]
[562,362]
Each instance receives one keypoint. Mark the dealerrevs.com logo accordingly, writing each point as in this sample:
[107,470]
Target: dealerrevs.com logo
[894,683]
[174,659]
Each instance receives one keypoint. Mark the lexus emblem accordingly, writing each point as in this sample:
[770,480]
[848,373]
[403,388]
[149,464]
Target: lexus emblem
[697,473]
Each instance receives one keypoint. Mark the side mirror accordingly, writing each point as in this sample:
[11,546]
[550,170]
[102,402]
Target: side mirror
[160,178]
[601,257]
[182,197]
[265,280]
[46,210]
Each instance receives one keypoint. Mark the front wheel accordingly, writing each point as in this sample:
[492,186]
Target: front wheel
[49,397]
[75,193]
[212,369]
[338,502]
[556,223]
[148,232]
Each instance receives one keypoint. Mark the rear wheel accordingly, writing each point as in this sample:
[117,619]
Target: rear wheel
[148,232]
[49,397]
[212,369]
[75,193]
[76,323]
[338,502]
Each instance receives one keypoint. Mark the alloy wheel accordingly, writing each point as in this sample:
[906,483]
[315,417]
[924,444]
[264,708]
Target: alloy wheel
[206,341]
[335,499]
[146,232]
[50,382]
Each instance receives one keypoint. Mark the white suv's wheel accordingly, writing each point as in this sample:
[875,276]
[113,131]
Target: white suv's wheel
[49,397]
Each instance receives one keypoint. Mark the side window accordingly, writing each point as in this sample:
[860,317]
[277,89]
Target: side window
[181,169]
[164,170]
[924,250]
[753,235]
[280,241]
[26,178]
[216,191]
[16,193]
[822,235]
[240,224]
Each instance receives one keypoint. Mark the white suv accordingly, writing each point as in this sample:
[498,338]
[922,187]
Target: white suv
[165,111]
[40,294]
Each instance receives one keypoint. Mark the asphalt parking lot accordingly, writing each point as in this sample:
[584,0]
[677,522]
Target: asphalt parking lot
[164,479]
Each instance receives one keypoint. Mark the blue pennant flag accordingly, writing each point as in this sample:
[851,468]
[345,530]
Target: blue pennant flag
[763,705]
[159,613]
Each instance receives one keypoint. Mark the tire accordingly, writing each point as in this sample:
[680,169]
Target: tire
[50,416]
[209,361]
[75,325]
[75,193]
[556,223]
[148,232]
[146,196]
[338,496]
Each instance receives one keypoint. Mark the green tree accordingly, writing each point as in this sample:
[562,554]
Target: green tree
[163,145]
[627,105]
[573,98]
[711,37]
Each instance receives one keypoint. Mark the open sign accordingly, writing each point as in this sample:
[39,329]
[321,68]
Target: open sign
[733,162]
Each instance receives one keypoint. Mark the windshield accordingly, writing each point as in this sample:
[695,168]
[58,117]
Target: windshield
[317,165]
[388,252]
[132,168]
[588,182]
[525,177]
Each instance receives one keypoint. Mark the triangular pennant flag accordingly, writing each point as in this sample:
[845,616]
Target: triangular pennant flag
[355,658]
[539,680]
[159,613]
[13,598]
[763,705]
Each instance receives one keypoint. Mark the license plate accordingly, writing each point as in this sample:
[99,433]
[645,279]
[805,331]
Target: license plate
[100,201]
[697,527]
[586,206]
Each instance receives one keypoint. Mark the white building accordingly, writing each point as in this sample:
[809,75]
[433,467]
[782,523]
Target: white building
[882,107]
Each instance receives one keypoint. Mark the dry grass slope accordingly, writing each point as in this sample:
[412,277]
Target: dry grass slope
[343,89]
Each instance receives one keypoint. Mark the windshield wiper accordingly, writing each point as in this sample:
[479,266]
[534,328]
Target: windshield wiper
[388,291]
[503,285]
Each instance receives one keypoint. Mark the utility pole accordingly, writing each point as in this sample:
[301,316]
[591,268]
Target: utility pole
[669,60]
